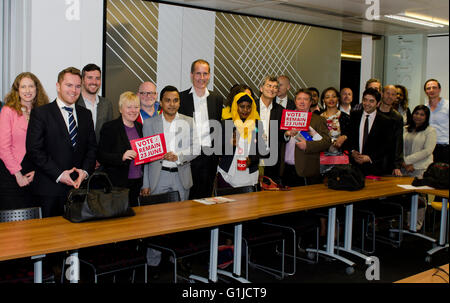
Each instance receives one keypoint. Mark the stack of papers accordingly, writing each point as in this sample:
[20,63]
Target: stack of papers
[214,200]
[414,187]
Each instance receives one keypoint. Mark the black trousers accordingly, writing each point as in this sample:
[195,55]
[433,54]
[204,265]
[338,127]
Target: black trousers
[291,179]
[51,206]
[441,153]
[203,170]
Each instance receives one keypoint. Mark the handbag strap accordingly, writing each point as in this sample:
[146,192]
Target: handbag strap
[103,175]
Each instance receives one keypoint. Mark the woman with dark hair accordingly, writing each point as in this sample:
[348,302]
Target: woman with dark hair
[240,167]
[16,172]
[419,141]
[337,121]
[401,105]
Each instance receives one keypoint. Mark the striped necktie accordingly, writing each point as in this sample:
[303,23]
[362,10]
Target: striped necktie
[73,129]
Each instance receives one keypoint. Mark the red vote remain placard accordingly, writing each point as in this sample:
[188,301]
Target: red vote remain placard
[295,120]
[149,149]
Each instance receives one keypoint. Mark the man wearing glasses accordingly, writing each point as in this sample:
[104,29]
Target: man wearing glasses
[147,96]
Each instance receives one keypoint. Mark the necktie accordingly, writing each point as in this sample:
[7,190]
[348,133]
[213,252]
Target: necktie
[73,129]
[366,132]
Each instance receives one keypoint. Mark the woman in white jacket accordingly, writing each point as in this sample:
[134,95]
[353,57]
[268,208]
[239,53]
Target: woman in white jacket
[419,141]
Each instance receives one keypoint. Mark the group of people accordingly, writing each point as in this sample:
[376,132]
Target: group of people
[48,148]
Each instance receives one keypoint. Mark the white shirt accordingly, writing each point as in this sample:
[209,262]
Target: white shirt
[169,136]
[65,113]
[201,119]
[282,101]
[264,114]
[344,110]
[92,108]
[361,126]
[439,120]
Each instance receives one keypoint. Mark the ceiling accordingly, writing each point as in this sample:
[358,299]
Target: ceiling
[347,15]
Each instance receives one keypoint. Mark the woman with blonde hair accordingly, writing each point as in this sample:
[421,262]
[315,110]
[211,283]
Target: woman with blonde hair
[16,172]
[114,149]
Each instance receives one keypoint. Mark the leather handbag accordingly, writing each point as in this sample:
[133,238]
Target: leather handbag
[345,177]
[87,204]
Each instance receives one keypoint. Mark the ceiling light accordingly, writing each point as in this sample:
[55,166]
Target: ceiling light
[426,18]
[350,56]
[413,20]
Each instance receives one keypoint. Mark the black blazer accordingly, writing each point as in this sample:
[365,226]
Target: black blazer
[379,144]
[111,147]
[50,149]
[214,103]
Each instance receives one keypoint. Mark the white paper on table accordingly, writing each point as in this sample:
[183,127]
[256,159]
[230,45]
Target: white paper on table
[414,187]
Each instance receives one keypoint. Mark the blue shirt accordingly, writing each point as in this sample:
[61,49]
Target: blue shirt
[439,120]
[145,115]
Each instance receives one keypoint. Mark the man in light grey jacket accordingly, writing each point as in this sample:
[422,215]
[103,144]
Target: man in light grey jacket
[173,172]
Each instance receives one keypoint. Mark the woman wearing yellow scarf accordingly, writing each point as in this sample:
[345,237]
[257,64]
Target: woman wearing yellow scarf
[238,166]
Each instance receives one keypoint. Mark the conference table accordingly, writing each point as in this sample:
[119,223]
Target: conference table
[38,237]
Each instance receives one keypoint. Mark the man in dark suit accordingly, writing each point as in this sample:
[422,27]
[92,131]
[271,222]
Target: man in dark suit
[270,113]
[370,137]
[61,144]
[206,109]
[100,107]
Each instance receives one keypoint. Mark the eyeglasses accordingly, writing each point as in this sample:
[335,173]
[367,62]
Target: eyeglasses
[147,93]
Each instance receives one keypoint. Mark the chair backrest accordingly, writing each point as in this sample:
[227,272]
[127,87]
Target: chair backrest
[20,214]
[235,190]
[172,196]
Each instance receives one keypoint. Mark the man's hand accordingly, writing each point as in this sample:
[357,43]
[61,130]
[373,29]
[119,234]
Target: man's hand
[66,179]
[81,176]
[396,172]
[145,192]
[291,133]
[170,156]
[301,144]
[97,164]
[129,155]
[338,143]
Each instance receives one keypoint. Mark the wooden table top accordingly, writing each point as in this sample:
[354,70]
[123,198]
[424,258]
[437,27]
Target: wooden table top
[55,234]
[437,192]
[430,276]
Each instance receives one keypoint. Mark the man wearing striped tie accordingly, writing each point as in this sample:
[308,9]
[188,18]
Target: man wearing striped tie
[61,143]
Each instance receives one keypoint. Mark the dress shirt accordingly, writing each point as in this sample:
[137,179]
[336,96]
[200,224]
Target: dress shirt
[361,126]
[439,120]
[289,155]
[92,108]
[65,115]
[282,101]
[170,129]
[264,113]
[201,117]
[345,111]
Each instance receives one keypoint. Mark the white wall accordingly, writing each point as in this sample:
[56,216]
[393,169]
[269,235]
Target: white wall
[185,35]
[64,33]
[437,62]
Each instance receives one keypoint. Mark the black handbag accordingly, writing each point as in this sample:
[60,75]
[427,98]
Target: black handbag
[87,204]
[345,177]
[435,176]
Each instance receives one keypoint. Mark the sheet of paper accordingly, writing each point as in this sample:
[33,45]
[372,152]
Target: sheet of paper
[214,200]
[414,187]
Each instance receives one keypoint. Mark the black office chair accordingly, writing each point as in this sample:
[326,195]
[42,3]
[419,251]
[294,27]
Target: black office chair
[178,245]
[256,234]
[18,271]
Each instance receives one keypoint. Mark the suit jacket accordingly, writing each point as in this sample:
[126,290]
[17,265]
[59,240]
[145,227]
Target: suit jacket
[104,113]
[111,147]
[379,146]
[152,170]
[50,149]
[397,131]
[307,162]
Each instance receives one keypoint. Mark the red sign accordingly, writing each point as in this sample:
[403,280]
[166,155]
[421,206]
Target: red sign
[149,149]
[295,120]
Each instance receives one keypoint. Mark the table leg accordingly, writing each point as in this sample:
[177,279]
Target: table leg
[443,231]
[413,221]
[349,233]
[38,268]
[236,257]
[213,248]
[330,240]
